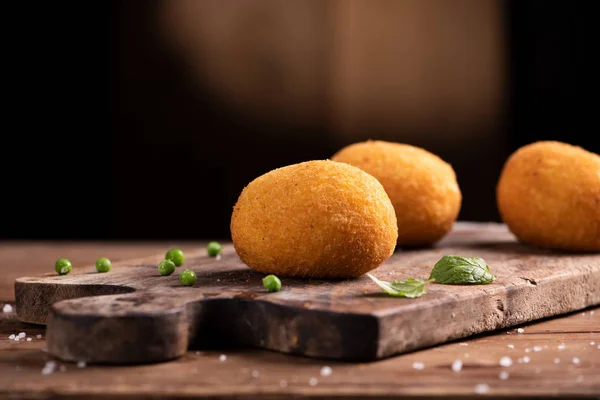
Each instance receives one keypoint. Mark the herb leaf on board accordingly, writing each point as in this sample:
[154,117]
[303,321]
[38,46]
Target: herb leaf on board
[456,270]
[410,287]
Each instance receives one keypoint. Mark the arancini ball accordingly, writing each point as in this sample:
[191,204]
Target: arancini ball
[421,186]
[549,196]
[316,219]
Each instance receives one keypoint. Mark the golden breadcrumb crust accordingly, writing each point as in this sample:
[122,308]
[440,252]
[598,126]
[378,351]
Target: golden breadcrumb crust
[422,187]
[316,219]
[549,196]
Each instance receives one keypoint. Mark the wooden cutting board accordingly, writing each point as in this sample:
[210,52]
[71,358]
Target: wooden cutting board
[133,315]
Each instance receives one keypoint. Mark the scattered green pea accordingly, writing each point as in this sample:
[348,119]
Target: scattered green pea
[188,277]
[175,255]
[214,248]
[63,266]
[272,283]
[103,265]
[166,267]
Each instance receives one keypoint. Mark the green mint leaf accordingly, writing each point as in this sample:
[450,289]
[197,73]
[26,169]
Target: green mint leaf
[410,288]
[456,270]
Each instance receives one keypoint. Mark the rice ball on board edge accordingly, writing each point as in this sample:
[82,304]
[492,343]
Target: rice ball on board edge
[316,219]
[549,196]
[421,186]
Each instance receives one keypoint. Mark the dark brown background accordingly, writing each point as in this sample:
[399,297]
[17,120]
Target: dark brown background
[204,97]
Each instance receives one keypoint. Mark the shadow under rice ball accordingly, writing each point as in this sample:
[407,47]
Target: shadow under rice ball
[549,196]
[421,186]
[317,219]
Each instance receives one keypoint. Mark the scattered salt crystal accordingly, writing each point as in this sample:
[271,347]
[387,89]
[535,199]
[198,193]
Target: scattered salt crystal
[520,330]
[49,368]
[503,375]
[391,273]
[557,361]
[81,364]
[63,368]
[255,374]
[506,361]
[457,366]
[561,346]
[38,336]
[592,343]
[22,335]
[580,378]
[17,339]
[481,388]
[526,359]
[313,381]
[576,360]
[582,313]
[511,346]
[283,383]
[29,339]
[222,357]
[592,312]
[537,348]
[527,350]
[11,337]
[418,365]
[7,308]
[218,257]
[326,371]
[464,344]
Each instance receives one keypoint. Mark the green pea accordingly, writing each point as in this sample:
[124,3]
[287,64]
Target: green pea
[188,277]
[214,248]
[166,267]
[103,265]
[175,255]
[272,283]
[63,266]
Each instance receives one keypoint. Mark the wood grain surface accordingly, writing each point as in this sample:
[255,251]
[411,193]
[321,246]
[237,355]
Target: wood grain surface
[143,317]
[287,376]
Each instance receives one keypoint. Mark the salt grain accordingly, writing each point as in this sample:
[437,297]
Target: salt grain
[537,348]
[283,383]
[592,312]
[511,346]
[17,339]
[11,337]
[506,361]
[326,371]
[313,381]
[592,343]
[418,365]
[527,350]
[557,361]
[457,366]
[520,330]
[561,346]
[7,308]
[576,360]
[22,335]
[49,368]
[481,388]
[29,339]
[222,357]
[503,375]
[38,336]
[464,344]
[81,364]
[255,374]
[526,359]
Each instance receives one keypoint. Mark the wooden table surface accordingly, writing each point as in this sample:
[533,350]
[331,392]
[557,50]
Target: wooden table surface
[559,356]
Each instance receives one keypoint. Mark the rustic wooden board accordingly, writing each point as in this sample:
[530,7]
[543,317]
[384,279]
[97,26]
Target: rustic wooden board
[143,317]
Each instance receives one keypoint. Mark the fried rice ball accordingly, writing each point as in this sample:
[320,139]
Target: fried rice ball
[549,196]
[422,187]
[316,219]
